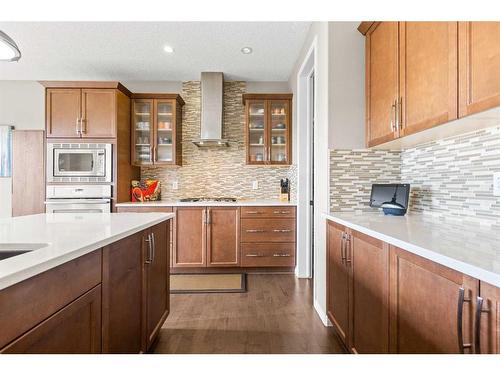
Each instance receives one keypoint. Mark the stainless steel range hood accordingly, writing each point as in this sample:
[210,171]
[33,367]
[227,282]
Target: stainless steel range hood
[212,104]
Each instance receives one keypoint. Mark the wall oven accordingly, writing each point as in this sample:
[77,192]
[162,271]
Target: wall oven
[78,199]
[79,162]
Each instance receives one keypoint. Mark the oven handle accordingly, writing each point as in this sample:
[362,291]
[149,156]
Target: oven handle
[78,201]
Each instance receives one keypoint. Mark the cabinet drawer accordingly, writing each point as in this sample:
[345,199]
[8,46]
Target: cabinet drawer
[268,254]
[269,212]
[268,230]
[144,209]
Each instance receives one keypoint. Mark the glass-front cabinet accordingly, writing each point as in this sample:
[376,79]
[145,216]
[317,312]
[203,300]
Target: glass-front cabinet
[156,129]
[268,128]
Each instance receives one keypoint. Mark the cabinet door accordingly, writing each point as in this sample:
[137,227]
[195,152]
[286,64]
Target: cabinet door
[338,281]
[479,69]
[279,132]
[158,283]
[257,137]
[122,295]
[488,321]
[98,113]
[142,132]
[428,74]
[165,132]
[381,83]
[369,294]
[190,237]
[63,112]
[424,298]
[75,329]
[223,237]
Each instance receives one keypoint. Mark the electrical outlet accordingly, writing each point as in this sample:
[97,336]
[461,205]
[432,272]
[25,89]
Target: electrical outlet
[255,185]
[175,185]
[496,184]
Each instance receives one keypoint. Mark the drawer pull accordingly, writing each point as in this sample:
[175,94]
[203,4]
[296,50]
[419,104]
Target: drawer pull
[282,230]
[282,212]
[255,230]
[281,255]
[461,300]
[253,212]
[254,255]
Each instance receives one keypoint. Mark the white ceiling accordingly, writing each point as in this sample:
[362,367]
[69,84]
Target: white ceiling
[133,51]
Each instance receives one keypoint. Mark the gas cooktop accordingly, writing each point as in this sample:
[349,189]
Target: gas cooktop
[208,199]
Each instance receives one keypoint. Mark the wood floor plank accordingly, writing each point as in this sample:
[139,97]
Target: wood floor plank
[275,316]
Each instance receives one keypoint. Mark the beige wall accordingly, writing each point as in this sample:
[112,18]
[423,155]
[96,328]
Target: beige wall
[22,105]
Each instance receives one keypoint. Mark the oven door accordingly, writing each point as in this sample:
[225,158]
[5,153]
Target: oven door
[78,206]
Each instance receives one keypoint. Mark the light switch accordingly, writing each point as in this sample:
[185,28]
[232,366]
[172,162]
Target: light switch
[175,185]
[255,185]
[496,184]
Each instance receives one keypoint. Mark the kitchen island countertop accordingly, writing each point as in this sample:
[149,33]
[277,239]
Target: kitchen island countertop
[470,248]
[66,235]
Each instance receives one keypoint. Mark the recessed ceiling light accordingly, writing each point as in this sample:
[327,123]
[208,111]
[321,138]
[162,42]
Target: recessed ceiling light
[168,49]
[246,50]
[8,48]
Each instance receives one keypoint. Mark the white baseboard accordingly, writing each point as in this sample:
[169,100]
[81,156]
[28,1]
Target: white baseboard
[322,314]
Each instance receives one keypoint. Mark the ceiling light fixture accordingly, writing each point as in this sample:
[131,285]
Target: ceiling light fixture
[246,50]
[168,49]
[9,51]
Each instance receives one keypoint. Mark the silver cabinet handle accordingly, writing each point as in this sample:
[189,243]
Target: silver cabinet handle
[393,116]
[281,212]
[254,255]
[255,230]
[209,216]
[148,240]
[282,230]
[82,130]
[281,255]
[342,249]
[77,127]
[399,110]
[151,155]
[348,249]
[153,247]
[460,325]
[253,212]
[477,323]
[204,218]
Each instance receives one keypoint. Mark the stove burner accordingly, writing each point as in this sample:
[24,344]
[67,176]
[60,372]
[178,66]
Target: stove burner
[208,199]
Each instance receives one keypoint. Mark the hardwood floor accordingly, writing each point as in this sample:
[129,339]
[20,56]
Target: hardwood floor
[275,316]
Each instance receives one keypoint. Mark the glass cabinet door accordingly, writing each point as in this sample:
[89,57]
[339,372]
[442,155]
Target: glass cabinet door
[142,132]
[279,125]
[257,138]
[165,131]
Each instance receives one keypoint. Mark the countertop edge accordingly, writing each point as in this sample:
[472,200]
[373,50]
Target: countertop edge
[209,203]
[457,265]
[24,274]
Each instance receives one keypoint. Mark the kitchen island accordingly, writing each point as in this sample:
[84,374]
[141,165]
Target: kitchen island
[83,283]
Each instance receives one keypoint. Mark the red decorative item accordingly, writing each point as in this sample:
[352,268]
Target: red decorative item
[147,190]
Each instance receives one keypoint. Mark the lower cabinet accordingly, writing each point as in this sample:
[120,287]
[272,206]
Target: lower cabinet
[487,320]
[223,237]
[424,313]
[76,328]
[189,248]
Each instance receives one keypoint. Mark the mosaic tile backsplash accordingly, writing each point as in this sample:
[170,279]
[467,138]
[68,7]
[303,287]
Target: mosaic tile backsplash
[450,178]
[218,172]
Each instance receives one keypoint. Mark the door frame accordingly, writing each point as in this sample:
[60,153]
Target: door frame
[305,238]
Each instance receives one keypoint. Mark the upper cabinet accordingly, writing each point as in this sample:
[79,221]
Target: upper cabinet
[423,74]
[156,129]
[268,128]
[83,109]
[479,70]
[411,78]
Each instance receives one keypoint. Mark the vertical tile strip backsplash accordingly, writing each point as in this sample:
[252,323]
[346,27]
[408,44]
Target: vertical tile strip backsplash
[218,172]
[450,178]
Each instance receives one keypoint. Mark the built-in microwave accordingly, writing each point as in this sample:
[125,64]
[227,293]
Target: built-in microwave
[79,162]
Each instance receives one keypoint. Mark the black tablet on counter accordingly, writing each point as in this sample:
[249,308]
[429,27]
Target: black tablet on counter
[392,198]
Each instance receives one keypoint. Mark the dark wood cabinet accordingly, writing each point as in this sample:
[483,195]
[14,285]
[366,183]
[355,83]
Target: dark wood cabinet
[424,298]
[368,259]
[268,128]
[63,112]
[76,328]
[122,295]
[190,237]
[487,320]
[337,280]
[157,129]
[223,236]
[98,119]
[157,281]
[479,66]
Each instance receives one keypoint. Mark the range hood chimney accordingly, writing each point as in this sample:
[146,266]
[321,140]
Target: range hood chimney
[212,104]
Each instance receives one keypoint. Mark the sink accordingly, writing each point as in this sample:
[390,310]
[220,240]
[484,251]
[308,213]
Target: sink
[9,250]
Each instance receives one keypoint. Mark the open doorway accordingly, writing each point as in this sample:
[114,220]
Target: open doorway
[306,110]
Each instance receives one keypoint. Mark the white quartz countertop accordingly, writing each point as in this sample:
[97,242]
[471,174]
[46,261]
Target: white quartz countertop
[242,202]
[68,236]
[469,248]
